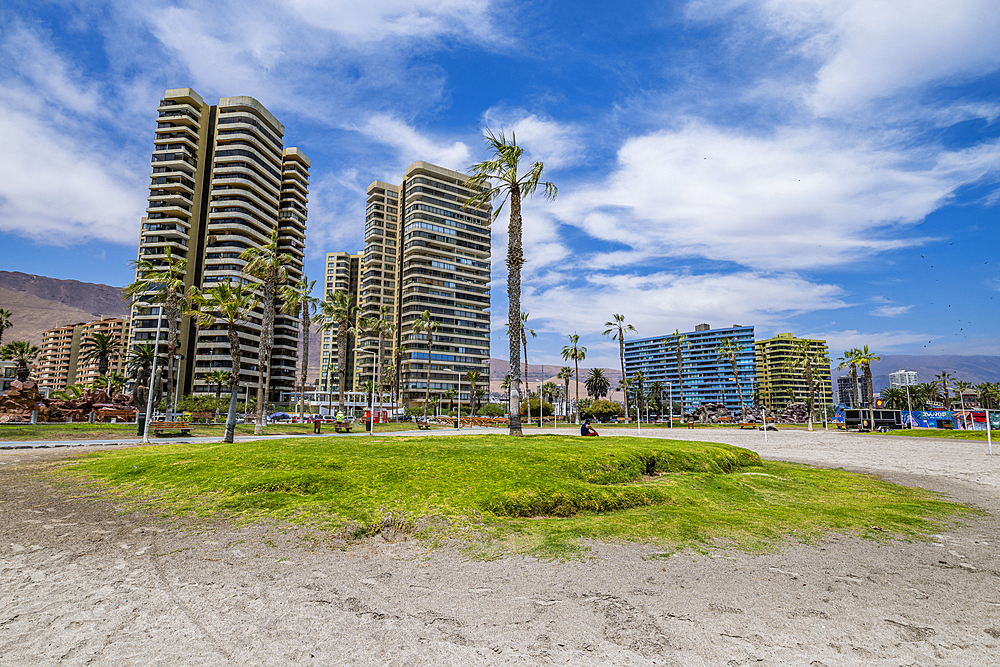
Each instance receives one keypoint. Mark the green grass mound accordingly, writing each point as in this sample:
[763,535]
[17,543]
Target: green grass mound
[538,494]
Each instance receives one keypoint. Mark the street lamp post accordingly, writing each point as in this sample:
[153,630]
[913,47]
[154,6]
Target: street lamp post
[458,420]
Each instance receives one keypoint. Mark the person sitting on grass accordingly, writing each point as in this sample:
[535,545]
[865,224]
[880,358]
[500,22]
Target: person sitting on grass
[585,430]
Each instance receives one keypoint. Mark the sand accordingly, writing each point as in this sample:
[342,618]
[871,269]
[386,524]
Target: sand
[82,584]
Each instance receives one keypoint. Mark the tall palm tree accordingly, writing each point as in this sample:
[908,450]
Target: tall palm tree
[617,328]
[218,378]
[266,264]
[565,374]
[231,305]
[865,358]
[425,325]
[944,378]
[680,342]
[850,361]
[380,328]
[597,383]
[5,322]
[100,347]
[577,353]
[656,390]
[22,353]
[498,178]
[801,358]
[524,331]
[141,356]
[162,283]
[549,391]
[297,300]
[987,392]
[336,313]
[473,377]
[727,351]
[450,395]
[894,397]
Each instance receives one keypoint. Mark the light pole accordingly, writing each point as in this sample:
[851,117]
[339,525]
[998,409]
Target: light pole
[458,420]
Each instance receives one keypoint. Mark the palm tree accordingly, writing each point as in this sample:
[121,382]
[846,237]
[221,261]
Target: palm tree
[565,374]
[597,383]
[231,305]
[505,385]
[577,353]
[801,357]
[162,283]
[218,378]
[424,324]
[850,360]
[100,347]
[267,264]
[22,353]
[925,393]
[450,395]
[549,391]
[498,178]
[336,313]
[297,300]
[473,377]
[524,331]
[727,351]
[987,392]
[865,358]
[894,397]
[380,328]
[680,341]
[639,381]
[141,356]
[656,389]
[617,328]
[5,323]
[943,379]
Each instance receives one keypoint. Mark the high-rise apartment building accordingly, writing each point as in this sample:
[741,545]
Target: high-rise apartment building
[61,362]
[706,377]
[782,382]
[342,274]
[425,251]
[903,378]
[222,182]
[848,394]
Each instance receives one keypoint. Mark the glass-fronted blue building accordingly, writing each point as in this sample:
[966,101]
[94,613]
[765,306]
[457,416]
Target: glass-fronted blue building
[707,378]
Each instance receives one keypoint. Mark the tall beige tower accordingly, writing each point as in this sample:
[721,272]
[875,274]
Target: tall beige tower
[222,181]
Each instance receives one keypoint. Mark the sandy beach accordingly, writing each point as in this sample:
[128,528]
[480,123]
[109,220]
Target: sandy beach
[81,583]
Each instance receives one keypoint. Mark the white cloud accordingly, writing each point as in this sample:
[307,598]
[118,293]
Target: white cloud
[56,185]
[391,19]
[543,139]
[414,146]
[891,311]
[661,302]
[797,198]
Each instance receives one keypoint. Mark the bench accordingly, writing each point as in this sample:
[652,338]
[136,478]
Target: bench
[748,424]
[106,416]
[423,424]
[341,427]
[204,417]
[159,427]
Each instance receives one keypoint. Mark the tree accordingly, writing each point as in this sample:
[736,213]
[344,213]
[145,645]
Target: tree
[267,264]
[522,326]
[989,394]
[680,341]
[337,313]
[141,356]
[218,378]
[597,383]
[100,347]
[727,351]
[801,357]
[425,325]
[655,395]
[505,385]
[850,361]
[498,178]
[638,385]
[380,328]
[565,374]
[577,353]
[297,300]
[162,283]
[231,305]
[5,323]
[450,394]
[865,358]
[22,353]
[894,397]
[943,379]
[473,377]
[617,327]
[602,410]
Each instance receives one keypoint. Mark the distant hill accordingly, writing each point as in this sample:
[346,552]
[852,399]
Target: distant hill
[38,303]
[971,368]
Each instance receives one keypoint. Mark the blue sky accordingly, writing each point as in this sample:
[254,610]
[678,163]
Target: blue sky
[826,167]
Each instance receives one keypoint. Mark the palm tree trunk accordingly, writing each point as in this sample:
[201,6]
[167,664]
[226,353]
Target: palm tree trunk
[621,356]
[427,389]
[680,380]
[234,382]
[305,359]
[341,363]
[871,396]
[809,389]
[264,357]
[576,362]
[739,389]
[515,259]
[527,390]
